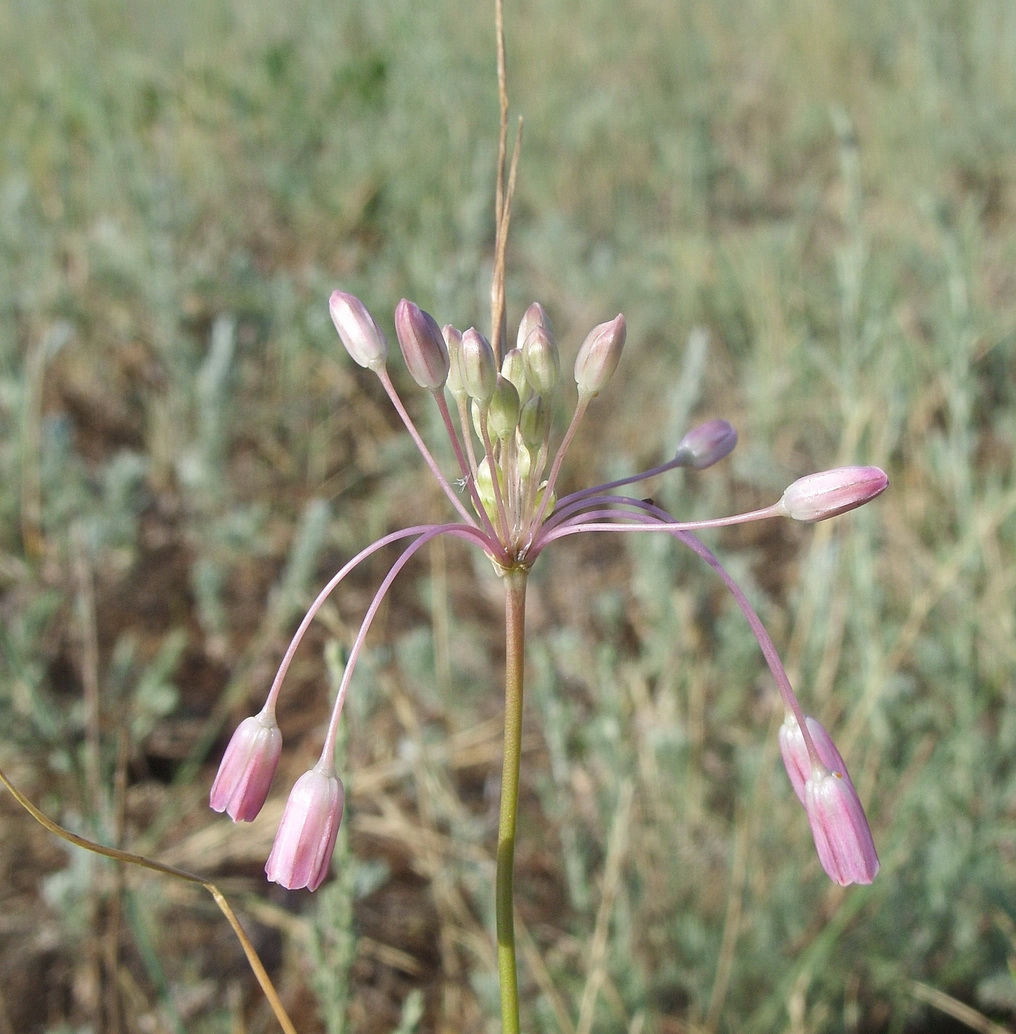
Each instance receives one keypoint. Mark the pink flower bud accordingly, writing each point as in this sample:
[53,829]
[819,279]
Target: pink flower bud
[599,355]
[838,824]
[360,335]
[535,316]
[302,852]
[706,444]
[796,759]
[247,768]
[831,492]
[423,346]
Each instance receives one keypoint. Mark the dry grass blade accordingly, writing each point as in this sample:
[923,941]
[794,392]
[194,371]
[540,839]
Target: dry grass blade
[965,1014]
[126,858]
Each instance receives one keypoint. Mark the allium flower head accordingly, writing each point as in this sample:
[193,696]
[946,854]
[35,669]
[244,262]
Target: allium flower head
[506,462]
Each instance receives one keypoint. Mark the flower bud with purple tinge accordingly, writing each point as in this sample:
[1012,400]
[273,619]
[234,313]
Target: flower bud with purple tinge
[535,316]
[513,368]
[543,365]
[359,333]
[816,497]
[706,444]
[423,346]
[245,773]
[598,357]
[302,853]
[479,367]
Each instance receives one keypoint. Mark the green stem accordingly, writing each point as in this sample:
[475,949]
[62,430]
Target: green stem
[515,641]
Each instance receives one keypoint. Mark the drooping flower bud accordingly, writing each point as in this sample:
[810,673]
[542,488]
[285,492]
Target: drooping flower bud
[598,357]
[816,497]
[796,758]
[302,852]
[706,444]
[423,347]
[840,829]
[838,824]
[453,342]
[503,414]
[543,365]
[479,367]
[245,773]
[359,333]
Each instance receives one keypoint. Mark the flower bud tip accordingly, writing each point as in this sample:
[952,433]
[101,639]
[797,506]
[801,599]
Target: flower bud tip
[423,346]
[706,444]
[828,493]
[599,355]
[359,333]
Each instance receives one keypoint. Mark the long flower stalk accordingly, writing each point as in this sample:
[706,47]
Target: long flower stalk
[504,894]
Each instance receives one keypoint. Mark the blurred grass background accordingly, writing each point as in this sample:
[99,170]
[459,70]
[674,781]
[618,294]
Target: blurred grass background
[827,189]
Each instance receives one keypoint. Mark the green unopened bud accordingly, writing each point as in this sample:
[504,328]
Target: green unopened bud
[543,366]
[485,485]
[478,411]
[513,367]
[479,367]
[453,342]
[503,414]
[598,357]
[423,347]
[551,502]
[534,423]
[535,316]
